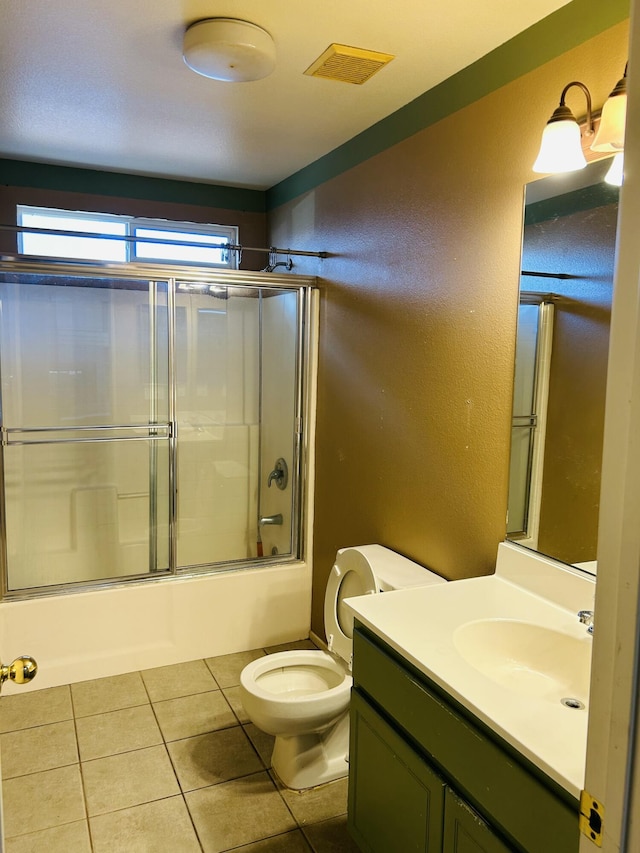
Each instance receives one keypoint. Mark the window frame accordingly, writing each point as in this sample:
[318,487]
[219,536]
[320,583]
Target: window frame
[225,233]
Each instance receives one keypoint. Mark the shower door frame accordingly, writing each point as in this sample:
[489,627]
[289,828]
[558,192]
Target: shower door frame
[305,347]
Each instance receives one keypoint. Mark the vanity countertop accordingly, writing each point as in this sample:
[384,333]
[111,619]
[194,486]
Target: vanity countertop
[441,628]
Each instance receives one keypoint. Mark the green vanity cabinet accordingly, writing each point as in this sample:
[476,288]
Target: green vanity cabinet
[465,831]
[398,800]
[426,775]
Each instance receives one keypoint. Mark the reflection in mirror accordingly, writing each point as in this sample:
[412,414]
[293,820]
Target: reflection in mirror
[561,364]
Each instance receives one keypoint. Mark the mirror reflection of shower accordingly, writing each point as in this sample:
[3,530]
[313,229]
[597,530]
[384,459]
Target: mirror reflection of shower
[530,398]
[568,254]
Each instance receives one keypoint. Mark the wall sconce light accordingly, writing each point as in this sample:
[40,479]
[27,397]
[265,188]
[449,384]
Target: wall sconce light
[610,135]
[561,145]
[615,172]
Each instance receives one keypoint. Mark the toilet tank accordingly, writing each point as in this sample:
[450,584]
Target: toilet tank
[394,571]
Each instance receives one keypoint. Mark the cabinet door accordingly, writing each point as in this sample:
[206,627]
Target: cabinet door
[396,801]
[466,832]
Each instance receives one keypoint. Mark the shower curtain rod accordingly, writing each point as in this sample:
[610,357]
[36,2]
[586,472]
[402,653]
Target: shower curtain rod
[231,247]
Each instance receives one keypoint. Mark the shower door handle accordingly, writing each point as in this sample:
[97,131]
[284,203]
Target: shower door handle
[20,671]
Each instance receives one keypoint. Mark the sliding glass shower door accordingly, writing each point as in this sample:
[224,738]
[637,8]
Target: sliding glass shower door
[236,364]
[149,425]
[85,428]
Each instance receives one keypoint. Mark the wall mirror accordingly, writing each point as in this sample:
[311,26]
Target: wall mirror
[566,284]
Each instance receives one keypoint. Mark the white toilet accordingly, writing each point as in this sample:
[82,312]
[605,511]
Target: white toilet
[302,697]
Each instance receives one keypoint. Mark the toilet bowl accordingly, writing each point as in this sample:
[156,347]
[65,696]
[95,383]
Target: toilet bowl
[302,697]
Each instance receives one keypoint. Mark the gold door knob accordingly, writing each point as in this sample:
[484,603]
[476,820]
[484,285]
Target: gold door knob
[22,669]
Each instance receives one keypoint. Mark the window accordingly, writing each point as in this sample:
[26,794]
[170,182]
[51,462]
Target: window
[154,240]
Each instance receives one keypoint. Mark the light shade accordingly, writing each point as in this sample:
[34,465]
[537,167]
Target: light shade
[229,50]
[615,173]
[560,148]
[610,135]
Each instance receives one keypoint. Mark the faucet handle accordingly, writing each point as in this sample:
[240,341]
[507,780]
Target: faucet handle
[280,474]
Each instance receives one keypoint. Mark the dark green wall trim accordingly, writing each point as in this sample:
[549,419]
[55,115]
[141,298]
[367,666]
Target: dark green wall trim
[566,28]
[586,198]
[20,173]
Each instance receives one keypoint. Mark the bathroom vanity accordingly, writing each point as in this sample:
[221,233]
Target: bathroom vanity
[426,776]
[459,740]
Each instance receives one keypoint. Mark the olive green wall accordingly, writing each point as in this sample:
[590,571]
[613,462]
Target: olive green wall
[417,322]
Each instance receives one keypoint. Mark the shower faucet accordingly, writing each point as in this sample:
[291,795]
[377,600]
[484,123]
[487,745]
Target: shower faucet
[270,519]
[280,474]
[586,617]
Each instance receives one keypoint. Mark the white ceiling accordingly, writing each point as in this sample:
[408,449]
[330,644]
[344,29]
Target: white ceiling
[102,83]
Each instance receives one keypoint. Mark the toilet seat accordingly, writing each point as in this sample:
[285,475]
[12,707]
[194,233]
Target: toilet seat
[284,666]
[351,575]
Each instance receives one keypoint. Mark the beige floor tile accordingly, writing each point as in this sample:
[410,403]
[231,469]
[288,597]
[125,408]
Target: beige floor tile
[118,731]
[288,647]
[262,742]
[57,793]
[317,804]
[39,748]
[108,694]
[226,669]
[212,758]
[331,836]
[37,708]
[290,842]
[163,826]
[232,695]
[180,679]
[129,779]
[194,715]
[70,838]
[238,812]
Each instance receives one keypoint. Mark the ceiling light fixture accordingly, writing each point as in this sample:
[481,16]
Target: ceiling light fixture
[229,50]
[561,147]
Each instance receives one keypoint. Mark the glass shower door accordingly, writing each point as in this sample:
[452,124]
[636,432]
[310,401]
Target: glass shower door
[85,428]
[236,369]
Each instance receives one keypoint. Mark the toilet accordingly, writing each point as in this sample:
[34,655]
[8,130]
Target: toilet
[302,697]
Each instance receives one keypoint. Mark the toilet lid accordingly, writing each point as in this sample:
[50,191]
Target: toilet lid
[351,575]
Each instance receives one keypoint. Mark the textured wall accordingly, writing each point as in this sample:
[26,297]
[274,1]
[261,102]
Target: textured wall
[418,317]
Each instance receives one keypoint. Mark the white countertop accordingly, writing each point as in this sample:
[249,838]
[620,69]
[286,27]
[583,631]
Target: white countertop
[420,623]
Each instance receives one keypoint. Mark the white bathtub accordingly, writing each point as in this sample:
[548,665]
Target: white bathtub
[87,635]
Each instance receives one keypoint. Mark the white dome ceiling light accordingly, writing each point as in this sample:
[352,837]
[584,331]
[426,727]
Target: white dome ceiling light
[229,50]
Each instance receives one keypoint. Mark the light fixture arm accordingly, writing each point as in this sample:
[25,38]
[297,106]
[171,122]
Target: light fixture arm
[566,112]
[621,86]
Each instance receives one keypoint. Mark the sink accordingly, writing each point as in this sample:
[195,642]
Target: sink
[508,647]
[527,658]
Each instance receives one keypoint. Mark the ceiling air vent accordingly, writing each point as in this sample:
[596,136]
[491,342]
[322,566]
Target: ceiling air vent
[348,64]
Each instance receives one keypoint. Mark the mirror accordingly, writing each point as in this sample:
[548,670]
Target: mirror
[566,283]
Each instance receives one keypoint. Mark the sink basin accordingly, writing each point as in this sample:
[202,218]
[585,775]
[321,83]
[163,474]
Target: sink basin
[529,659]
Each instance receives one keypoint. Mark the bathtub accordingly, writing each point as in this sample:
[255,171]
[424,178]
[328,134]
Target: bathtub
[86,635]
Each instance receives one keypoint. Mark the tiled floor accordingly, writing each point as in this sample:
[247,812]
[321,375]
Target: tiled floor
[160,761]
